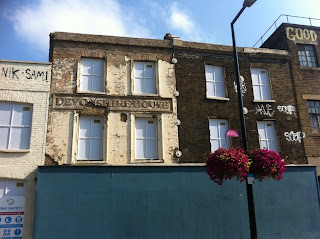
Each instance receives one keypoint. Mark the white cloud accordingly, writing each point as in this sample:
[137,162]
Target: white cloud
[105,17]
[181,20]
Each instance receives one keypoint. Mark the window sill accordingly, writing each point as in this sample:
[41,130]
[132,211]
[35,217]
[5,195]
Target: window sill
[144,161]
[86,162]
[14,150]
[141,94]
[264,101]
[217,98]
[310,68]
[92,92]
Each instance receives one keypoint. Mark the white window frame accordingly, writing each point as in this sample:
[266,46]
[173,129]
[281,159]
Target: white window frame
[222,139]
[157,120]
[90,138]
[11,126]
[80,76]
[267,139]
[212,83]
[260,85]
[145,78]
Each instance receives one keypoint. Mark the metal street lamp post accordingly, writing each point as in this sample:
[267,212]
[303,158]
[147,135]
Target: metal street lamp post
[252,218]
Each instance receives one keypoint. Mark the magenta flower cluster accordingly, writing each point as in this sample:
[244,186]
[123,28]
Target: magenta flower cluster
[225,164]
[266,164]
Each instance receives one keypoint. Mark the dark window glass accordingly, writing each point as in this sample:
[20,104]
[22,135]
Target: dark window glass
[307,55]
[314,113]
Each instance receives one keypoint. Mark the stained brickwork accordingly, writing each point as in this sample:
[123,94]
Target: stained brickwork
[306,79]
[195,110]
[118,105]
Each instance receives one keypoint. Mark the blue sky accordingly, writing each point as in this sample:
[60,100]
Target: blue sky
[25,25]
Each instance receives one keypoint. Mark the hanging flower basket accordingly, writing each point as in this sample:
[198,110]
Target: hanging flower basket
[266,164]
[226,164]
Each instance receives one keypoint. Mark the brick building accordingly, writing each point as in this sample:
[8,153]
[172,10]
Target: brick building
[123,85]
[302,43]
[113,101]
[24,101]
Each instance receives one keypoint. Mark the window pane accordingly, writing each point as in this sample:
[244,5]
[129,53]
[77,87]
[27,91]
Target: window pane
[218,76]
[209,73]
[220,90]
[98,66]
[264,77]
[84,127]
[151,128]
[266,92]
[210,89]
[140,149]
[85,84]
[20,138]
[87,66]
[271,134]
[22,115]
[255,76]
[138,85]
[256,93]
[214,145]
[140,128]
[97,83]
[149,69]
[96,127]
[150,86]
[138,69]
[263,144]
[223,127]
[95,149]
[5,113]
[213,127]
[225,143]
[273,145]
[261,130]
[4,132]
[83,151]
[152,149]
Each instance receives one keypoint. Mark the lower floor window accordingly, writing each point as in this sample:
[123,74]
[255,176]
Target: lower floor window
[146,139]
[314,114]
[267,135]
[90,138]
[218,129]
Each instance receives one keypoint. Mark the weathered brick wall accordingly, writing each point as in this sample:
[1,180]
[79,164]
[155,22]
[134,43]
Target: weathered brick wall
[119,54]
[26,82]
[195,110]
[306,79]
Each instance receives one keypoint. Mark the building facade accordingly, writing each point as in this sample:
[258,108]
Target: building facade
[113,101]
[302,43]
[24,101]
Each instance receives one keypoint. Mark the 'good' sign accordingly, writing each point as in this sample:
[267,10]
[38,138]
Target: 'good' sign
[301,34]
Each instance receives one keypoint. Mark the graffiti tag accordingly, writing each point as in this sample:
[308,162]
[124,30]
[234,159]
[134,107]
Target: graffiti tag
[287,109]
[292,136]
[265,110]
[243,86]
[13,73]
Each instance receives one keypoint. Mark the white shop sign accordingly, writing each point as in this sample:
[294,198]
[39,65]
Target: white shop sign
[11,210]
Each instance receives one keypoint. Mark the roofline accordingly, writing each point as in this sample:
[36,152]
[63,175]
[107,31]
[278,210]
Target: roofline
[27,62]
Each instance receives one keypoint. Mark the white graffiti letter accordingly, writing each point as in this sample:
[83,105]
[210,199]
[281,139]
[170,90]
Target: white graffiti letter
[292,136]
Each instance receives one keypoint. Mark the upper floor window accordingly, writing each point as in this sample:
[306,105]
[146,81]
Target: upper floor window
[215,81]
[144,78]
[92,75]
[314,114]
[15,125]
[261,84]
[267,135]
[218,129]
[90,138]
[146,139]
[307,55]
